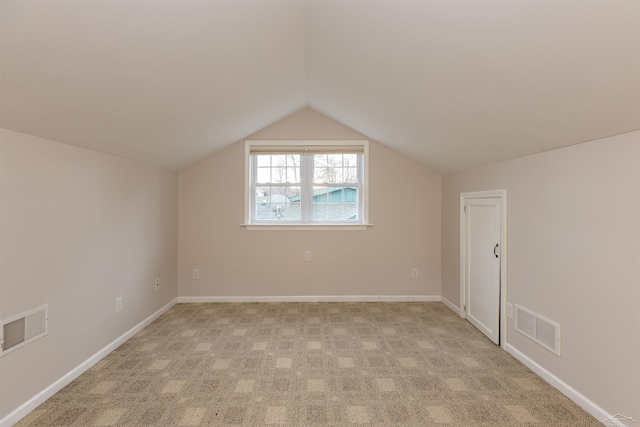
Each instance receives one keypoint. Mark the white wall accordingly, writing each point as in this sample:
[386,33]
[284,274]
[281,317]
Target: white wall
[79,229]
[573,257]
[234,261]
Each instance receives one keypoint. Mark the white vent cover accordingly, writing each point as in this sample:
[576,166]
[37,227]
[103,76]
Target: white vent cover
[543,331]
[24,328]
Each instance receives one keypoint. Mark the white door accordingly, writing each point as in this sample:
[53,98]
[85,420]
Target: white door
[482,264]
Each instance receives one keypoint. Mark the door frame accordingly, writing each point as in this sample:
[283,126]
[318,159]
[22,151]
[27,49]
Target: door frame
[502,195]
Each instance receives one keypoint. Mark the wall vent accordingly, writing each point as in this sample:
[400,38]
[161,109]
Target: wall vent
[541,330]
[24,328]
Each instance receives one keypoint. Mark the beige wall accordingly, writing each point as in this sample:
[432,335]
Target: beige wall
[573,257]
[234,261]
[79,229]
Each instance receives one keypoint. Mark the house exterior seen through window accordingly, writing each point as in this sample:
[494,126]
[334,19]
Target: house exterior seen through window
[302,183]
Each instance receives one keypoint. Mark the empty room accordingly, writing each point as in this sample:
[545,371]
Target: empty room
[305,212]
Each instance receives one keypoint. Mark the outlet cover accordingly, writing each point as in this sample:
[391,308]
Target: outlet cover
[510,310]
[196,273]
[118,304]
[157,285]
[307,255]
[414,273]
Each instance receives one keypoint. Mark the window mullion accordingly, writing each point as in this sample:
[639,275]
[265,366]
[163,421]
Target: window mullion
[306,161]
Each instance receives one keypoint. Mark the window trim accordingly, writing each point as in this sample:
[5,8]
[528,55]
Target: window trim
[300,145]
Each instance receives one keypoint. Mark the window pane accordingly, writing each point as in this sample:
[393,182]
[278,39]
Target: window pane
[350,160]
[278,160]
[321,175]
[293,174]
[326,175]
[277,175]
[350,175]
[335,203]
[278,168]
[263,175]
[335,168]
[320,160]
[337,175]
[318,174]
[263,160]
[278,203]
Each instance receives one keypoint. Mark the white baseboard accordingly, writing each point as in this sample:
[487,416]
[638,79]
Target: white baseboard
[596,411]
[451,305]
[24,410]
[325,298]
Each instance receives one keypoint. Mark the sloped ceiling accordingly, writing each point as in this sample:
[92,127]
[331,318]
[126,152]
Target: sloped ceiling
[451,83]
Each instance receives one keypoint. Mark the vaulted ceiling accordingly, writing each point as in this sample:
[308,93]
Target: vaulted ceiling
[451,83]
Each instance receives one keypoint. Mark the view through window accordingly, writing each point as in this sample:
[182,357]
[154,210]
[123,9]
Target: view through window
[306,185]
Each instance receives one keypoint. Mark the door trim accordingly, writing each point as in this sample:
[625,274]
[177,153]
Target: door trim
[502,195]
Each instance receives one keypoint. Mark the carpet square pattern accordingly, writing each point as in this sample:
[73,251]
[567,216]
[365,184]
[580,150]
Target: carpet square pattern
[309,364]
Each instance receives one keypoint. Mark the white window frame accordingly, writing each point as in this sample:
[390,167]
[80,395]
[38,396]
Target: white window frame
[307,181]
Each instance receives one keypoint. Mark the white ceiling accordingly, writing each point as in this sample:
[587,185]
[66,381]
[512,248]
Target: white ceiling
[453,84]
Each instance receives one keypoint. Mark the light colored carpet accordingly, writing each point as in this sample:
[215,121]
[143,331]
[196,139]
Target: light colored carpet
[309,364]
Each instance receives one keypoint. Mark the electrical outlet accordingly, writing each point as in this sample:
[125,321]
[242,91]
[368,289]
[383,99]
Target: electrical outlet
[510,310]
[414,273]
[307,255]
[196,273]
[157,284]
[118,304]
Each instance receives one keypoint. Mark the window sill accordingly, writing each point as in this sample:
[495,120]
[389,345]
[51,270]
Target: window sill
[319,227]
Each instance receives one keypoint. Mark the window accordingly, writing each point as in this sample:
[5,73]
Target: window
[306,183]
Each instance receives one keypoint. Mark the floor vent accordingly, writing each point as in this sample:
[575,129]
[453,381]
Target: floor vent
[24,328]
[543,331]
